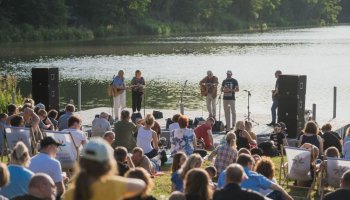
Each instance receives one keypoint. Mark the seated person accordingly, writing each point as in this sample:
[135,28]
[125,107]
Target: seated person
[100,125]
[40,187]
[147,139]
[314,155]
[183,139]
[311,135]
[255,181]
[330,138]
[204,132]
[211,170]
[52,115]
[175,124]
[124,161]
[109,136]
[278,137]
[234,177]
[243,138]
[125,132]
[266,167]
[45,123]
[344,192]
[141,160]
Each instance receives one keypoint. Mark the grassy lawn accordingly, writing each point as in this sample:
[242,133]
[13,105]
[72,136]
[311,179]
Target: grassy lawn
[162,184]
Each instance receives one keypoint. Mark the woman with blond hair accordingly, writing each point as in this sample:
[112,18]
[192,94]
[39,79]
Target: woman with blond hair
[193,161]
[19,174]
[97,180]
[142,174]
[197,185]
[243,138]
[225,154]
[146,136]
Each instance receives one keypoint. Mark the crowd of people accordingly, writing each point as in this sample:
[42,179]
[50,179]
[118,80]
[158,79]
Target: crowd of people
[120,161]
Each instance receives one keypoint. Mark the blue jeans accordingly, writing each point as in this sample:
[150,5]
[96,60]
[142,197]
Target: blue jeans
[273,110]
[275,195]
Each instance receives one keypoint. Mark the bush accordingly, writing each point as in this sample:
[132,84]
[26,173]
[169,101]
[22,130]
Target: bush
[8,85]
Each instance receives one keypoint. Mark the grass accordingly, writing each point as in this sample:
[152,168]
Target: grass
[162,184]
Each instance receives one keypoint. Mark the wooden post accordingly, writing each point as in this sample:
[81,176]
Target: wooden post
[334,102]
[314,112]
[79,95]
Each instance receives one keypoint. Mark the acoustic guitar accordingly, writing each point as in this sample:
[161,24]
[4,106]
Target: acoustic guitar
[204,87]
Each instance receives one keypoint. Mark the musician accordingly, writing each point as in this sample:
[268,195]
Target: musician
[229,87]
[209,89]
[137,86]
[119,96]
[275,99]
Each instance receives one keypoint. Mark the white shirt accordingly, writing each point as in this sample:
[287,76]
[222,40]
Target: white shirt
[144,139]
[174,126]
[78,137]
[100,126]
[43,163]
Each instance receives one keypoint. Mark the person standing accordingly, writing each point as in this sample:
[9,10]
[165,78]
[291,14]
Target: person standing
[275,99]
[209,86]
[229,87]
[137,86]
[119,94]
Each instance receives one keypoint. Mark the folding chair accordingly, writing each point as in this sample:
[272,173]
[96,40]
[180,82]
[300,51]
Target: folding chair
[297,168]
[3,143]
[15,134]
[67,154]
[332,173]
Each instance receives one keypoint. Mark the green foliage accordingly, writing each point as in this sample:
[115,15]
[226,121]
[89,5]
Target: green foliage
[9,92]
[35,20]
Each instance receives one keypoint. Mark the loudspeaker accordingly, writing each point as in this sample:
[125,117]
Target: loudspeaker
[291,103]
[45,87]
[136,116]
[218,127]
[292,85]
[198,120]
[157,114]
[168,122]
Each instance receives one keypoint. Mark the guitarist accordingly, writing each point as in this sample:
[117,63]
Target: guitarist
[275,99]
[119,94]
[209,89]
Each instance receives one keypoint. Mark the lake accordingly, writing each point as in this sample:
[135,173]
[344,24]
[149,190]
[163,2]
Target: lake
[323,54]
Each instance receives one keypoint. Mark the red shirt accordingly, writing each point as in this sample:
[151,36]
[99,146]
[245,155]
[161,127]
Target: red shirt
[202,132]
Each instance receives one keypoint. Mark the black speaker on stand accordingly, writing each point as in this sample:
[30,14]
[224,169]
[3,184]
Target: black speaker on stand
[45,87]
[291,103]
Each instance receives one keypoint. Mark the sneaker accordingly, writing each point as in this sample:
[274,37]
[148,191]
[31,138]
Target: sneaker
[271,124]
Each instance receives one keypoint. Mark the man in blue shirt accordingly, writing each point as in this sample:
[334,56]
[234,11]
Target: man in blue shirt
[256,181]
[63,120]
[119,95]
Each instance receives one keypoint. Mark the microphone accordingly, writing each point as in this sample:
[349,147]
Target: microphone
[245,90]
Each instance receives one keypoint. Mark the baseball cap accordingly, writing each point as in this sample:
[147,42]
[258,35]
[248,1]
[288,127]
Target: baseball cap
[98,150]
[40,106]
[48,141]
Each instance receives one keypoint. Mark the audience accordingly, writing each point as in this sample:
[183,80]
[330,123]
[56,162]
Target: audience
[45,123]
[147,139]
[193,161]
[40,187]
[234,177]
[311,136]
[32,120]
[142,174]
[243,138]
[330,138]
[204,132]
[225,154]
[249,128]
[344,192]
[12,110]
[52,115]
[109,136]
[266,168]
[124,130]
[255,181]
[141,160]
[178,160]
[175,124]
[79,137]
[124,162]
[176,195]
[97,177]
[4,178]
[63,120]
[100,125]
[183,139]
[52,167]
[19,174]
[278,137]
[197,185]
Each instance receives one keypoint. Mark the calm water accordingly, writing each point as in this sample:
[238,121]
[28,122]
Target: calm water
[323,54]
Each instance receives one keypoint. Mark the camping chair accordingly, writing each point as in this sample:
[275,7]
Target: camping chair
[67,154]
[16,134]
[3,143]
[332,173]
[297,168]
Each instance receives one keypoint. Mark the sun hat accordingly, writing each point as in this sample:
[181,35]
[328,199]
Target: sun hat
[98,150]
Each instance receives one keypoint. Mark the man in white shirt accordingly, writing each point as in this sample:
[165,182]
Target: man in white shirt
[45,162]
[100,125]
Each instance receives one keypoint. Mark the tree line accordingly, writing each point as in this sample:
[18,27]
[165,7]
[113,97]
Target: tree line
[31,20]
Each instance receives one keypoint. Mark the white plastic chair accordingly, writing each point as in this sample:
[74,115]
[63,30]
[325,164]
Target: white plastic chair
[16,134]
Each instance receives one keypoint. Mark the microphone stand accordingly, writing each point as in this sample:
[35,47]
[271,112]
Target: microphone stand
[182,106]
[248,118]
[219,102]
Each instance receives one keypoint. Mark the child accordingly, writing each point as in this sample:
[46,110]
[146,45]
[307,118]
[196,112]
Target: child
[124,161]
[212,174]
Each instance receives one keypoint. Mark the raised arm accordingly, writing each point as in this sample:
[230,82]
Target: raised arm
[134,187]
[250,140]
[155,140]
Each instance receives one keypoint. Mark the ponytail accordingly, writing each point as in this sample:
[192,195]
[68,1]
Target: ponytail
[82,187]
